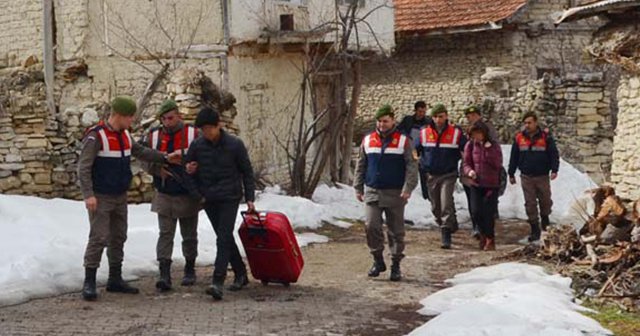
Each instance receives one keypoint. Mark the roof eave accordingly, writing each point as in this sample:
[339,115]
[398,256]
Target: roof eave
[454,30]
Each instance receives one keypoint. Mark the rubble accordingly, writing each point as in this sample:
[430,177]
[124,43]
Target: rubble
[602,264]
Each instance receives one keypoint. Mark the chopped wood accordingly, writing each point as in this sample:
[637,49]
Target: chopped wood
[592,255]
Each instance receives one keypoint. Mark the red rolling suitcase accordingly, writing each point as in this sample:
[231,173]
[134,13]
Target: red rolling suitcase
[271,247]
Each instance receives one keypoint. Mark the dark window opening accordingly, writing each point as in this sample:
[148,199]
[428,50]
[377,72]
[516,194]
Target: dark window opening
[286,22]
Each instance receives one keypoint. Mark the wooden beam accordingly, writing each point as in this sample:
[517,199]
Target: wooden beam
[49,55]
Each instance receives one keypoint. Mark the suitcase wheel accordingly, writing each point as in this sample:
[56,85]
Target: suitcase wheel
[265,282]
[286,284]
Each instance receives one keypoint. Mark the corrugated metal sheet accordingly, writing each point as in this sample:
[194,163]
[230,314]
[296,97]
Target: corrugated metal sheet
[596,8]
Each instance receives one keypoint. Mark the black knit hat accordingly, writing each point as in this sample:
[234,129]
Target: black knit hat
[207,116]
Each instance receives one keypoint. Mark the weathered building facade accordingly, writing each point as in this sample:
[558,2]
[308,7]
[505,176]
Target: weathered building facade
[618,43]
[62,61]
[510,55]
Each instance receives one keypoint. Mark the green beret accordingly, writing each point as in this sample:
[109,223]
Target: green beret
[123,105]
[166,107]
[385,110]
[473,109]
[437,109]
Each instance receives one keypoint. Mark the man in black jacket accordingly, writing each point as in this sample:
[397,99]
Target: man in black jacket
[534,152]
[219,166]
[411,126]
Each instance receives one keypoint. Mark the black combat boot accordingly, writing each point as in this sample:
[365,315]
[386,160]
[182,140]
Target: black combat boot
[189,278]
[535,231]
[378,266]
[89,291]
[396,275]
[164,282]
[446,238]
[116,284]
[240,280]
[215,290]
[544,222]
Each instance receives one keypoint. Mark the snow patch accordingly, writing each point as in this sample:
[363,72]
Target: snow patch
[333,204]
[509,299]
[43,242]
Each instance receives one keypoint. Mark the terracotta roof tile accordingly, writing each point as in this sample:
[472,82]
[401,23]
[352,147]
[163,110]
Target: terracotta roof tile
[428,15]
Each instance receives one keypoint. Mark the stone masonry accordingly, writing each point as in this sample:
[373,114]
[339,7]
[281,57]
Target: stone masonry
[576,110]
[38,151]
[626,156]
[508,67]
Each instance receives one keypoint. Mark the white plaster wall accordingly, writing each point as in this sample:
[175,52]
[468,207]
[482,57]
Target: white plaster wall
[249,17]
[20,31]
[140,19]
[267,90]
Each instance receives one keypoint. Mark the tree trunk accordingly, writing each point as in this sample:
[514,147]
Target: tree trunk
[347,146]
[150,91]
[336,112]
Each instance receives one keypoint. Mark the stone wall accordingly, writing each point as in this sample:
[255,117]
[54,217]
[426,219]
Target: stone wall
[625,173]
[39,151]
[37,156]
[506,66]
[575,108]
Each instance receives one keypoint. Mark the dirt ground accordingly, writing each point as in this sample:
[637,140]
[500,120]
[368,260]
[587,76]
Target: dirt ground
[334,296]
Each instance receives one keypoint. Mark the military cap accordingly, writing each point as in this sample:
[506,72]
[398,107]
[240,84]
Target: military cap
[123,105]
[385,110]
[166,107]
[437,109]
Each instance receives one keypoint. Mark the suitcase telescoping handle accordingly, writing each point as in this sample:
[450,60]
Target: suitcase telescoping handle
[254,231]
[244,215]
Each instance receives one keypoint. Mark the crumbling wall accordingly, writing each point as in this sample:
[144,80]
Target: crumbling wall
[39,151]
[37,158]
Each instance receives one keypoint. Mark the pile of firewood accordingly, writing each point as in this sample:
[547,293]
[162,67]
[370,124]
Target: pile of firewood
[603,256]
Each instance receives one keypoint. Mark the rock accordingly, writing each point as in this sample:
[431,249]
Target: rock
[10,182]
[135,182]
[73,121]
[26,178]
[182,97]
[89,117]
[5,173]
[42,178]
[605,147]
[634,83]
[37,188]
[590,118]
[146,178]
[12,166]
[60,177]
[37,143]
[593,77]
[590,96]
[586,132]
[9,158]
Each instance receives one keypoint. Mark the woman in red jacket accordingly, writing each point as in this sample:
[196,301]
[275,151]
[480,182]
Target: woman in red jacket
[482,163]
